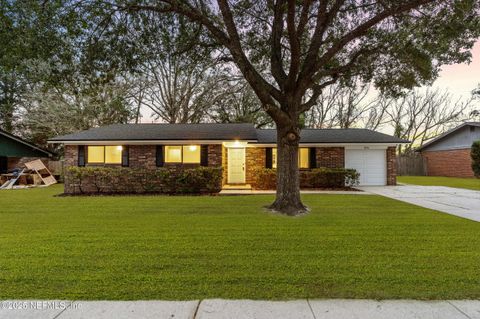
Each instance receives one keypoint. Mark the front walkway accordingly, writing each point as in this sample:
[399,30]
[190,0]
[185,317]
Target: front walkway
[455,201]
[245,309]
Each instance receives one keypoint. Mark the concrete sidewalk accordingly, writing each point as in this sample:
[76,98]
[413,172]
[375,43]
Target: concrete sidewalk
[243,309]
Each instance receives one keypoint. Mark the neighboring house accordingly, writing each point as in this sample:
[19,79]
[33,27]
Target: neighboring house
[15,151]
[238,148]
[449,153]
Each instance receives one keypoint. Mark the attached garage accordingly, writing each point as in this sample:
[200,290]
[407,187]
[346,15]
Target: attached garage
[370,163]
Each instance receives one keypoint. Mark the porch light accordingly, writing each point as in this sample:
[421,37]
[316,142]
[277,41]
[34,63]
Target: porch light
[193,148]
[236,143]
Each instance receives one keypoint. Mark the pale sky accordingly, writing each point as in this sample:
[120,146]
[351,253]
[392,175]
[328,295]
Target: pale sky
[461,79]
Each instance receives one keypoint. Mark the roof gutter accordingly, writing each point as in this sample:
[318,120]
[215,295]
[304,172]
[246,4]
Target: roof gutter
[253,143]
[143,142]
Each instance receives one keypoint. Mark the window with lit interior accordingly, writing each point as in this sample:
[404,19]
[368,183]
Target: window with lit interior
[110,154]
[303,158]
[187,154]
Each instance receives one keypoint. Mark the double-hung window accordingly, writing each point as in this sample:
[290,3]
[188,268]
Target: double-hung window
[186,154]
[110,154]
[303,158]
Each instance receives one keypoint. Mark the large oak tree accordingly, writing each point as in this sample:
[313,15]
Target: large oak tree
[290,50]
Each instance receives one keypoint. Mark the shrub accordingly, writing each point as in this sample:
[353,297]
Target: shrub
[199,180]
[332,177]
[75,176]
[475,154]
[130,180]
[265,178]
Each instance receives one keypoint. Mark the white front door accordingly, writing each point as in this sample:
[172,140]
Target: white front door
[370,163]
[236,165]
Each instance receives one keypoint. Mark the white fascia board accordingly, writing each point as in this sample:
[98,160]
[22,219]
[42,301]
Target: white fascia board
[250,143]
[345,145]
[144,142]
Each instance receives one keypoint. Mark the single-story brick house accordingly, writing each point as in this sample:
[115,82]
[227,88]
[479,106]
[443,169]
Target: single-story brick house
[237,148]
[14,152]
[449,153]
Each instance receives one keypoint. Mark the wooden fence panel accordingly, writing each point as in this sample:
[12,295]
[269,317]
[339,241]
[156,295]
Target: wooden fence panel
[56,167]
[411,165]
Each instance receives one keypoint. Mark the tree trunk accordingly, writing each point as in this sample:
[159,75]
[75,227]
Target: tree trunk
[287,199]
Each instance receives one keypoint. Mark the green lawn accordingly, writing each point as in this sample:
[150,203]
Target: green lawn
[468,183]
[159,247]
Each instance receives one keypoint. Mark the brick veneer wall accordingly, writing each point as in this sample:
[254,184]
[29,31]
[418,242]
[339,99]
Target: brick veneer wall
[140,156]
[331,157]
[215,155]
[144,156]
[254,158]
[71,155]
[391,165]
[71,159]
[452,163]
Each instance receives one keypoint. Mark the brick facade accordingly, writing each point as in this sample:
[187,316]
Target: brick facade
[215,155]
[452,163]
[140,156]
[71,155]
[391,166]
[254,158]
[330,157]
[144,156]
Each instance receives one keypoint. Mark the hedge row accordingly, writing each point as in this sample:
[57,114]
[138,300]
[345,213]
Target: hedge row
[475,154]
[266,178]
[110,180]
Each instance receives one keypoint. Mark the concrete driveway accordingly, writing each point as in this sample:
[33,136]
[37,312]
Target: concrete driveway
[455,201]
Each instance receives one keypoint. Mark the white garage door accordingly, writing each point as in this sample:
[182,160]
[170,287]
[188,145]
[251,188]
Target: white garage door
[371,164]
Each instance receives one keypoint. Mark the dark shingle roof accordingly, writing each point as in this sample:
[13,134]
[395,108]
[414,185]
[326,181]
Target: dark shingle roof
[333,136]
[221,132]
[130,132]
